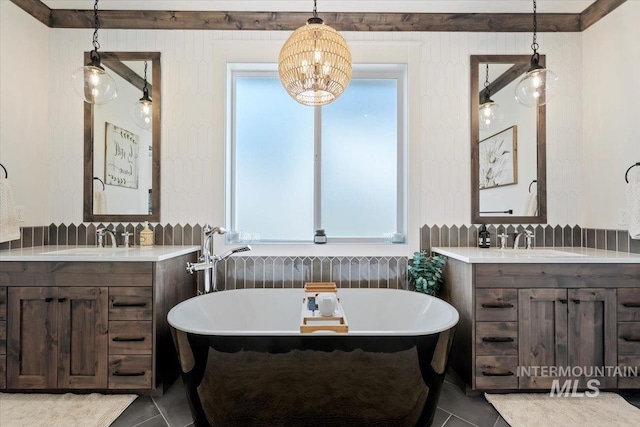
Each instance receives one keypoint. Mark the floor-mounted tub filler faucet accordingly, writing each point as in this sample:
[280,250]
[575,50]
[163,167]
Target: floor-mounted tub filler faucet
[208,261]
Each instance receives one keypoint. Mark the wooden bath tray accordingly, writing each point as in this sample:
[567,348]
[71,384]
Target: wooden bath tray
[312,320]
[316,287]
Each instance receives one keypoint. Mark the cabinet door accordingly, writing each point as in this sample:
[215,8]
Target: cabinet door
[32,341]
[592,331]
[83,339]
[542,331]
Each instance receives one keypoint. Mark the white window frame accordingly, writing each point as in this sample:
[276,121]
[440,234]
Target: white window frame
[360,71]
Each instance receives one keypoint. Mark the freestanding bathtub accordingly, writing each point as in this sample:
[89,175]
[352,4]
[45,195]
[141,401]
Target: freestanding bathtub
[244,361]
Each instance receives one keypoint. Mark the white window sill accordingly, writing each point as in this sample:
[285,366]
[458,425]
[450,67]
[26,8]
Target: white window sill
[326,249]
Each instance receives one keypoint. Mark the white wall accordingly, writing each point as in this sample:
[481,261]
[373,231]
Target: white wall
[193,127]
[611,114]
[24,110]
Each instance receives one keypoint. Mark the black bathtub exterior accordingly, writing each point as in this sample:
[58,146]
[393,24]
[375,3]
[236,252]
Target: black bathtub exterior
[304,380]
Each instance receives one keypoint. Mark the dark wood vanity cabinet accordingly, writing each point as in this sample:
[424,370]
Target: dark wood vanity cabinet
[57,337]
[64,334]
[514,316]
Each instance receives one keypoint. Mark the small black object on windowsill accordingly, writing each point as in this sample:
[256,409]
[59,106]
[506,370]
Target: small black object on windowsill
[484,238]
[320,236]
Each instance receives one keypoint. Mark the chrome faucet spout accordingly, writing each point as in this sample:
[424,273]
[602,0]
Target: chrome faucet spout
[101,232]
[528,235]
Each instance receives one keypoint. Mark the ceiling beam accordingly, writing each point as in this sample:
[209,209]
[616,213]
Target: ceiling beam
[37,9]
[341,21]
[597,11]
[505,78]
[123,71]
[289,21]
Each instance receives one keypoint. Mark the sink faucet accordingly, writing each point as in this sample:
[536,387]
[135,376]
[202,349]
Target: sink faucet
[101,232]
[528,235]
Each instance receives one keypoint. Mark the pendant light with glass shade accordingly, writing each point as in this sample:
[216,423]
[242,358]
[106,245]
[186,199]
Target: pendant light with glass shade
[490,112]
[91,82]
[143,109]
[538,85]
[315,63]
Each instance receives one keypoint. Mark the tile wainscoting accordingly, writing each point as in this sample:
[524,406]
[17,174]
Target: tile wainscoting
[283,272]
[293,272]
[545,235]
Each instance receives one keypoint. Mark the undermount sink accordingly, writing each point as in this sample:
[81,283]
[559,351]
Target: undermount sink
[534,253]
[87,251]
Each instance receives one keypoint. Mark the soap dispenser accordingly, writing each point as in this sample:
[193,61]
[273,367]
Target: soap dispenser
[146,235]
[484,238]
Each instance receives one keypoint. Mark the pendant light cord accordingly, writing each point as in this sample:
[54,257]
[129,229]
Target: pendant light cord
[535,45]
[96,25]
[486,83]
[145,89]
[315,8]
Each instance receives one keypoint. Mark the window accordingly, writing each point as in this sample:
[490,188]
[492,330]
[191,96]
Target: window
[293,169]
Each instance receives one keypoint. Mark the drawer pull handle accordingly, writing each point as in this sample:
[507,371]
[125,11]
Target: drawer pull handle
[136,339]
[632,304]
[631,339]
[563,301]
[62,299]
[497,374]
[497,305]
[497,339]
[576,301]
[129,304]
[128,374]
[48,299]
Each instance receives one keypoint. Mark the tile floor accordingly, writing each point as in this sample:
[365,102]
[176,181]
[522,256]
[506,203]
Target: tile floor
[455,409]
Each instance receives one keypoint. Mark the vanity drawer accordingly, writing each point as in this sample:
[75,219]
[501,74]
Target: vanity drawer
[130,303]
[130,337]
[497,305]
[629,338]
[3,337]
[633,362]
[496,372]
[496,338]
[3,303]
[3,372]
[129,372]
[628,305]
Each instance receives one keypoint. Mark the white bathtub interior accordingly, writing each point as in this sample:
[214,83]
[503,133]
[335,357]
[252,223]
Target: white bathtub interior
[277,312]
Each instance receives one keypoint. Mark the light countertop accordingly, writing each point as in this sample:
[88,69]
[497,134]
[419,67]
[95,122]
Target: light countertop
[558,255]
[94,254]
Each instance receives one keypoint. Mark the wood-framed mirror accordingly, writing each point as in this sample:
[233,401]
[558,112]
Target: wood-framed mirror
[122,158]
[508,161]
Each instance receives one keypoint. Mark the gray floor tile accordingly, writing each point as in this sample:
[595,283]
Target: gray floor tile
[174,405]
[440,418]
[457,422]
[156,421]
[474,409]
[140,410]
[501,423]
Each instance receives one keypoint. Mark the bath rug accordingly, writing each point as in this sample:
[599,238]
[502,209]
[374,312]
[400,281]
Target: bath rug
[61,410]
[540,409]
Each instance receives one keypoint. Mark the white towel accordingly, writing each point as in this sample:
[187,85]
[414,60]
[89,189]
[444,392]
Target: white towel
[99,202]
[532,204]
[633,204]
[9,228]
